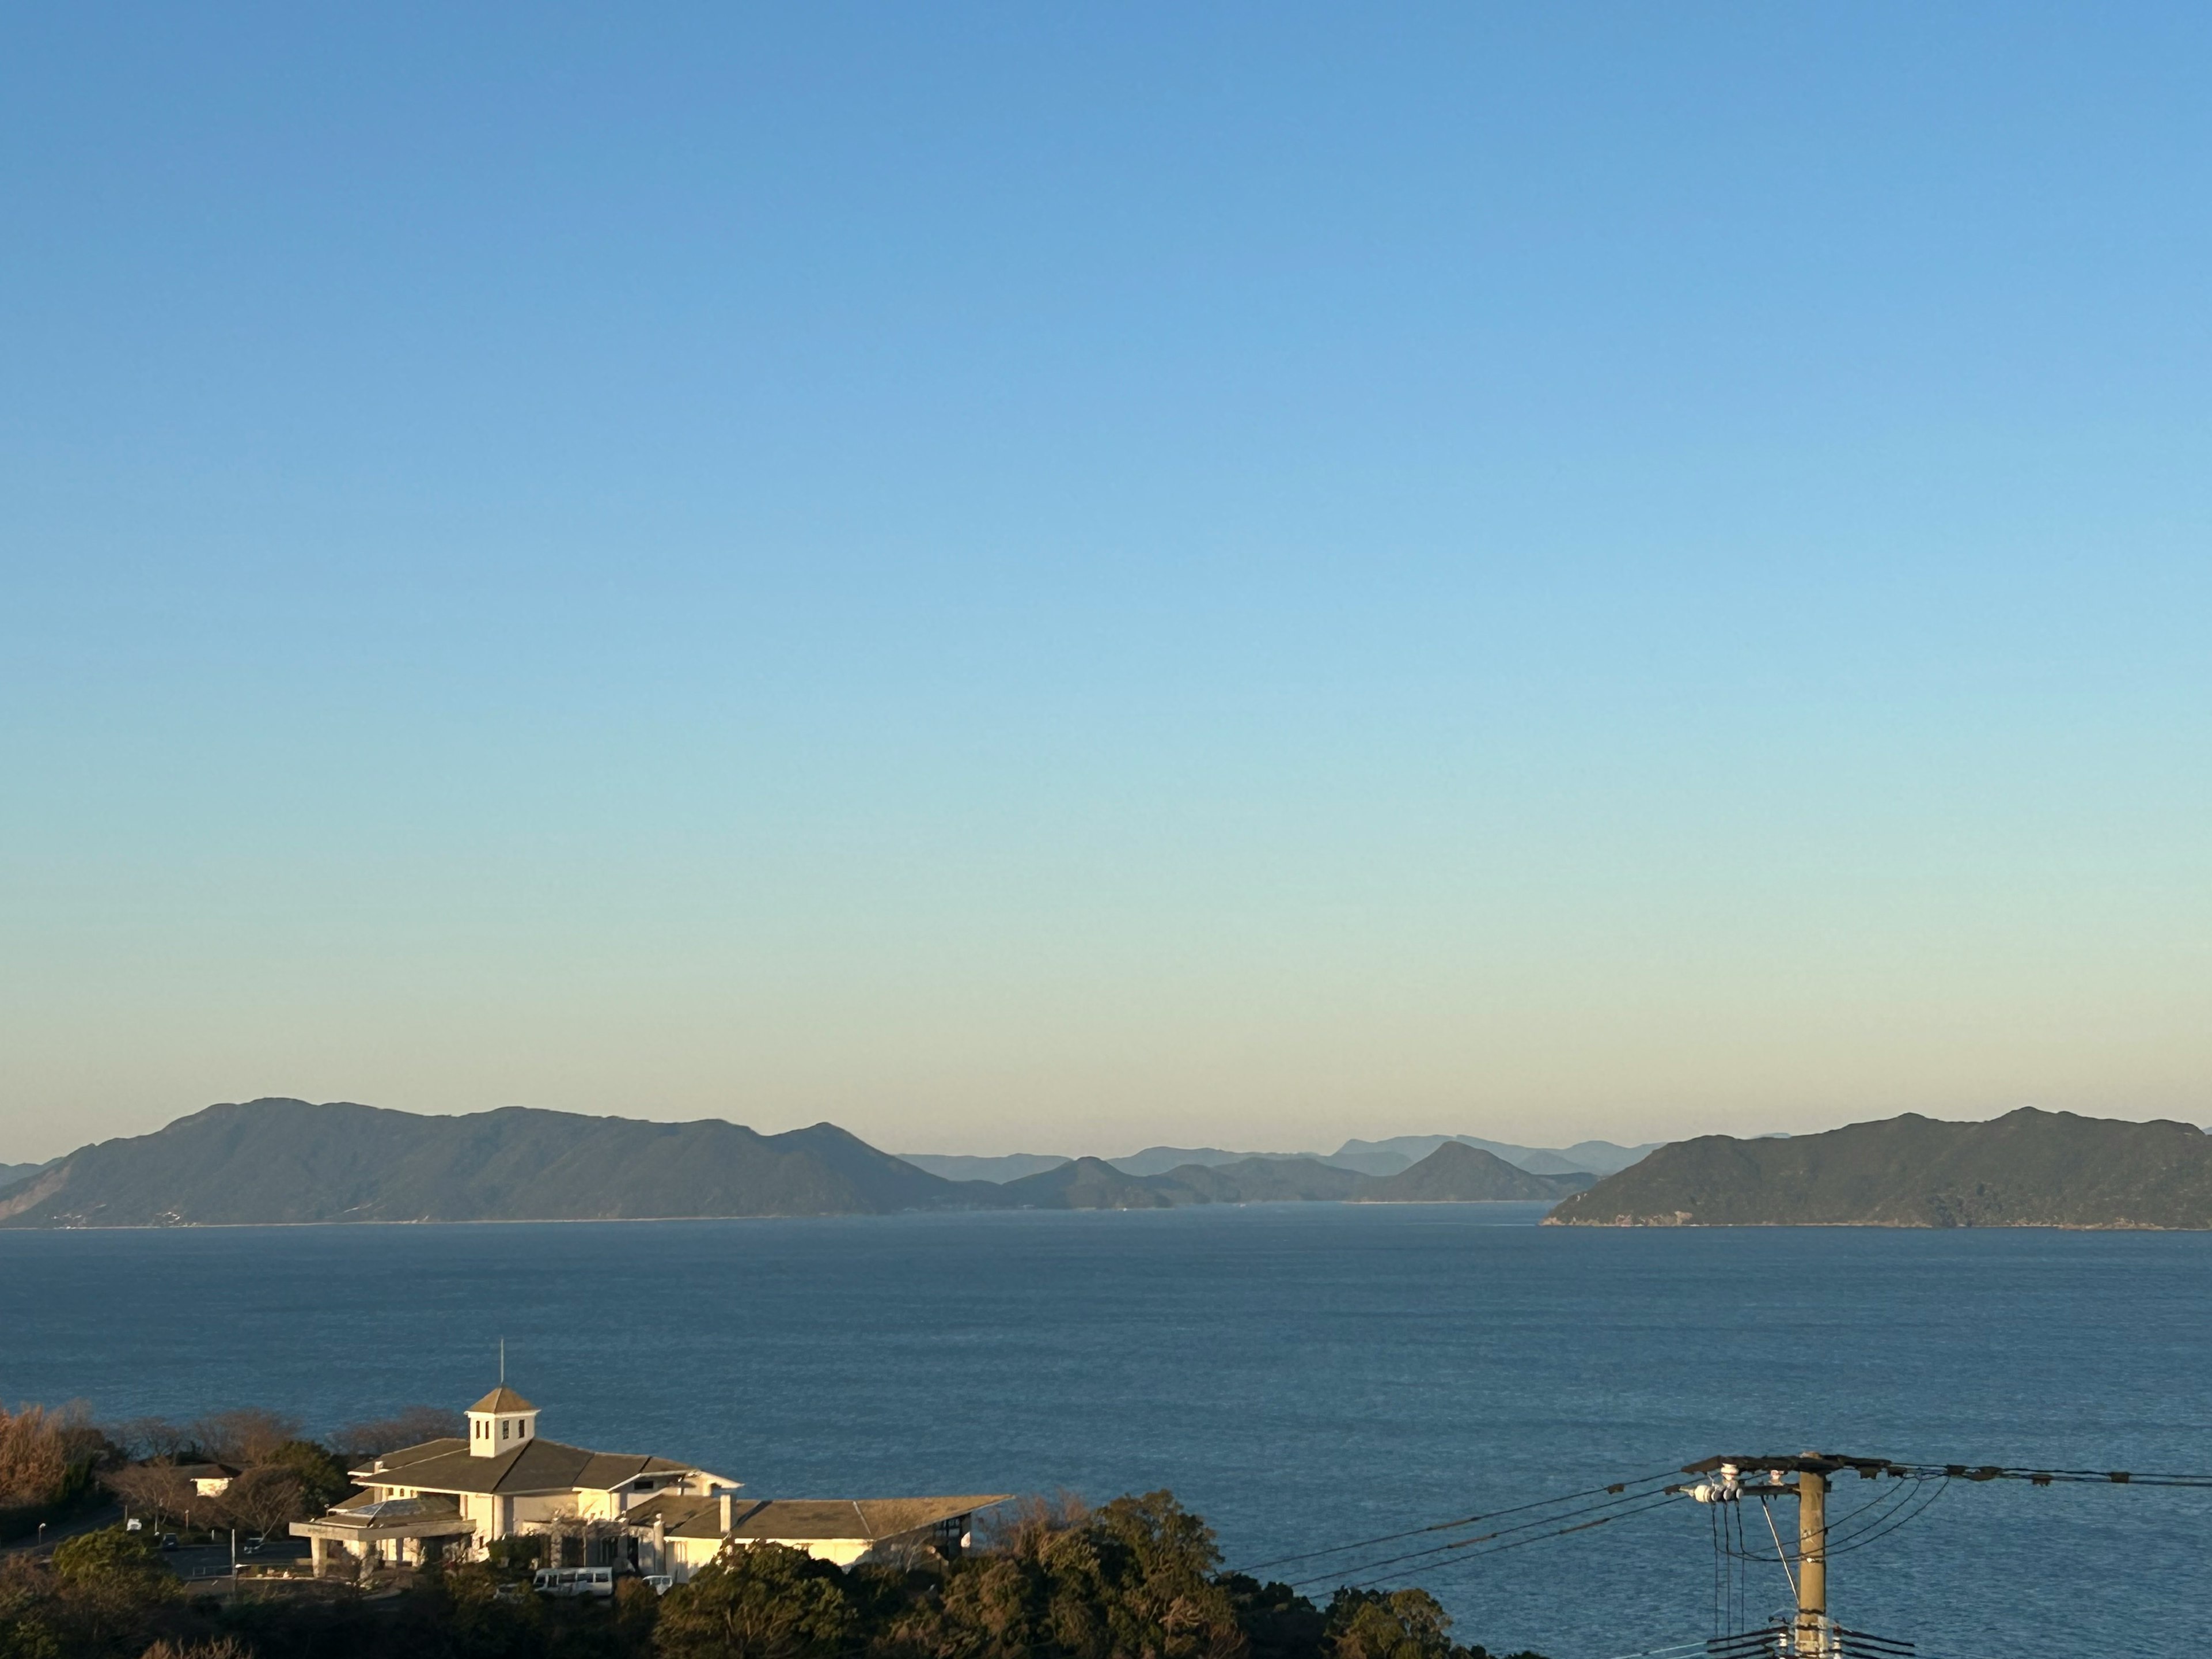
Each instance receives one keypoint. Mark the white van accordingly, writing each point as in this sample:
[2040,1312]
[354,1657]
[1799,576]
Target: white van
[573,1581]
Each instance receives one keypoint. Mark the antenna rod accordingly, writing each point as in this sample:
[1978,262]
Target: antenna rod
[502,1362]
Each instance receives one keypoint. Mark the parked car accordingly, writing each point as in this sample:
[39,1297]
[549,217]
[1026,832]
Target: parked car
[134,1525]
[661,1582]
[168,1541]
[573,1581]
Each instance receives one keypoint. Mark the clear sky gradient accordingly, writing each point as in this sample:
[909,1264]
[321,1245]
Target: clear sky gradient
[1064,576]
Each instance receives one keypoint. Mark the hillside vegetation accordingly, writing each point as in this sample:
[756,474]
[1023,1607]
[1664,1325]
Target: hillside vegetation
[290,1161]
[2028,1169]
[1456,1173]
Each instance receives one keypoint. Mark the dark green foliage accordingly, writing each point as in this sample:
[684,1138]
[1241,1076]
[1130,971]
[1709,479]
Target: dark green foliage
[322,1477]
[516,1558]
[1405,1623]
[1136,1579]
[764,1602]
[112,1558]
[1276,1621]
[1131,1580]
[25,1630]
[114,1588]
[461,1612]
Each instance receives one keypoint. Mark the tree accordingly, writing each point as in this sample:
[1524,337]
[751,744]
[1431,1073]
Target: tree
[264,1497]
[24,1632]
[1278,1622]
[323,1478]
[411,1426]
[457,1611]
[156,1489]
[762,1601]
[1406,1624]
[150,1438]
[33,1461]
[113,1560]
[1160,1558]
[244,1436]
[1130,1580]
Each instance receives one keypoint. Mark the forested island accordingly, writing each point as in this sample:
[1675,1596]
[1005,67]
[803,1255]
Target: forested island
[2027,1168]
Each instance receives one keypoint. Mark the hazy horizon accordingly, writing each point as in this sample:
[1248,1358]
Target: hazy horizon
[1098,578]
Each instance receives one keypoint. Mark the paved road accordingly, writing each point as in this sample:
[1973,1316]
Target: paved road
[91,1522]
[199,1563]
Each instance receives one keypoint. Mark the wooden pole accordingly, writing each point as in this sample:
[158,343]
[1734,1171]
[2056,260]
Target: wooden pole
[1812,1564]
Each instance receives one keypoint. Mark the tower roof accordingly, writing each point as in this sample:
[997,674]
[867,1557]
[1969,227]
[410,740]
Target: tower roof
[502,1398]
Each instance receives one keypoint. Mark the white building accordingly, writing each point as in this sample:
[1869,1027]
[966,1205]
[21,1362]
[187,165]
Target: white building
[209,1479]
[679,1535]
[456,1496]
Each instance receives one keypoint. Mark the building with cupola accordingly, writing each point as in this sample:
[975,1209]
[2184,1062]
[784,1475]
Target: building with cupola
[453,1498]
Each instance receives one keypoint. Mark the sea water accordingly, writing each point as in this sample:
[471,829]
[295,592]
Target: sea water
[1305,1376]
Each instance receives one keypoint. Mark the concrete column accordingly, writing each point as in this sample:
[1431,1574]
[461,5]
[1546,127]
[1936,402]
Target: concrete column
[319,1552]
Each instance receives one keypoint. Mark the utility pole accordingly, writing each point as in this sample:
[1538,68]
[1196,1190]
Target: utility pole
[1811,1558]
[1812,1635]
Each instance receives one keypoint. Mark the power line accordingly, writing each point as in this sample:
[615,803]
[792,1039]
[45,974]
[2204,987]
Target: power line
[1464,1520]
[1935,1492]
[1624,1497]
[1870,1468]
[1659,1501]
[1838,1531]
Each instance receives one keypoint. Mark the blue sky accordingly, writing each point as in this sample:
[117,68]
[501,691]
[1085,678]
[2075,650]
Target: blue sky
[1062,577]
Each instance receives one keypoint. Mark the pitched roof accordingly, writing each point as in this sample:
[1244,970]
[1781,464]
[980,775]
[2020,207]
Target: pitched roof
[804,1520]
[535,1466]
[502,1398]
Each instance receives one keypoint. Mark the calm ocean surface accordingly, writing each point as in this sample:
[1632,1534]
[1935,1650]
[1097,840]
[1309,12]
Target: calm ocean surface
[1304,1374]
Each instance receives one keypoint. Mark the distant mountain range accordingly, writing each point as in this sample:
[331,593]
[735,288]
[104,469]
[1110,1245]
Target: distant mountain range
[11,1173]
[279,1161]
[289,1161]
[2027,1168]
[1452,1174]
[269,1161]
[1374,1157]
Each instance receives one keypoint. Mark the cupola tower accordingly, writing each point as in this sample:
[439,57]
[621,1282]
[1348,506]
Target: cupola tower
[500,1422]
